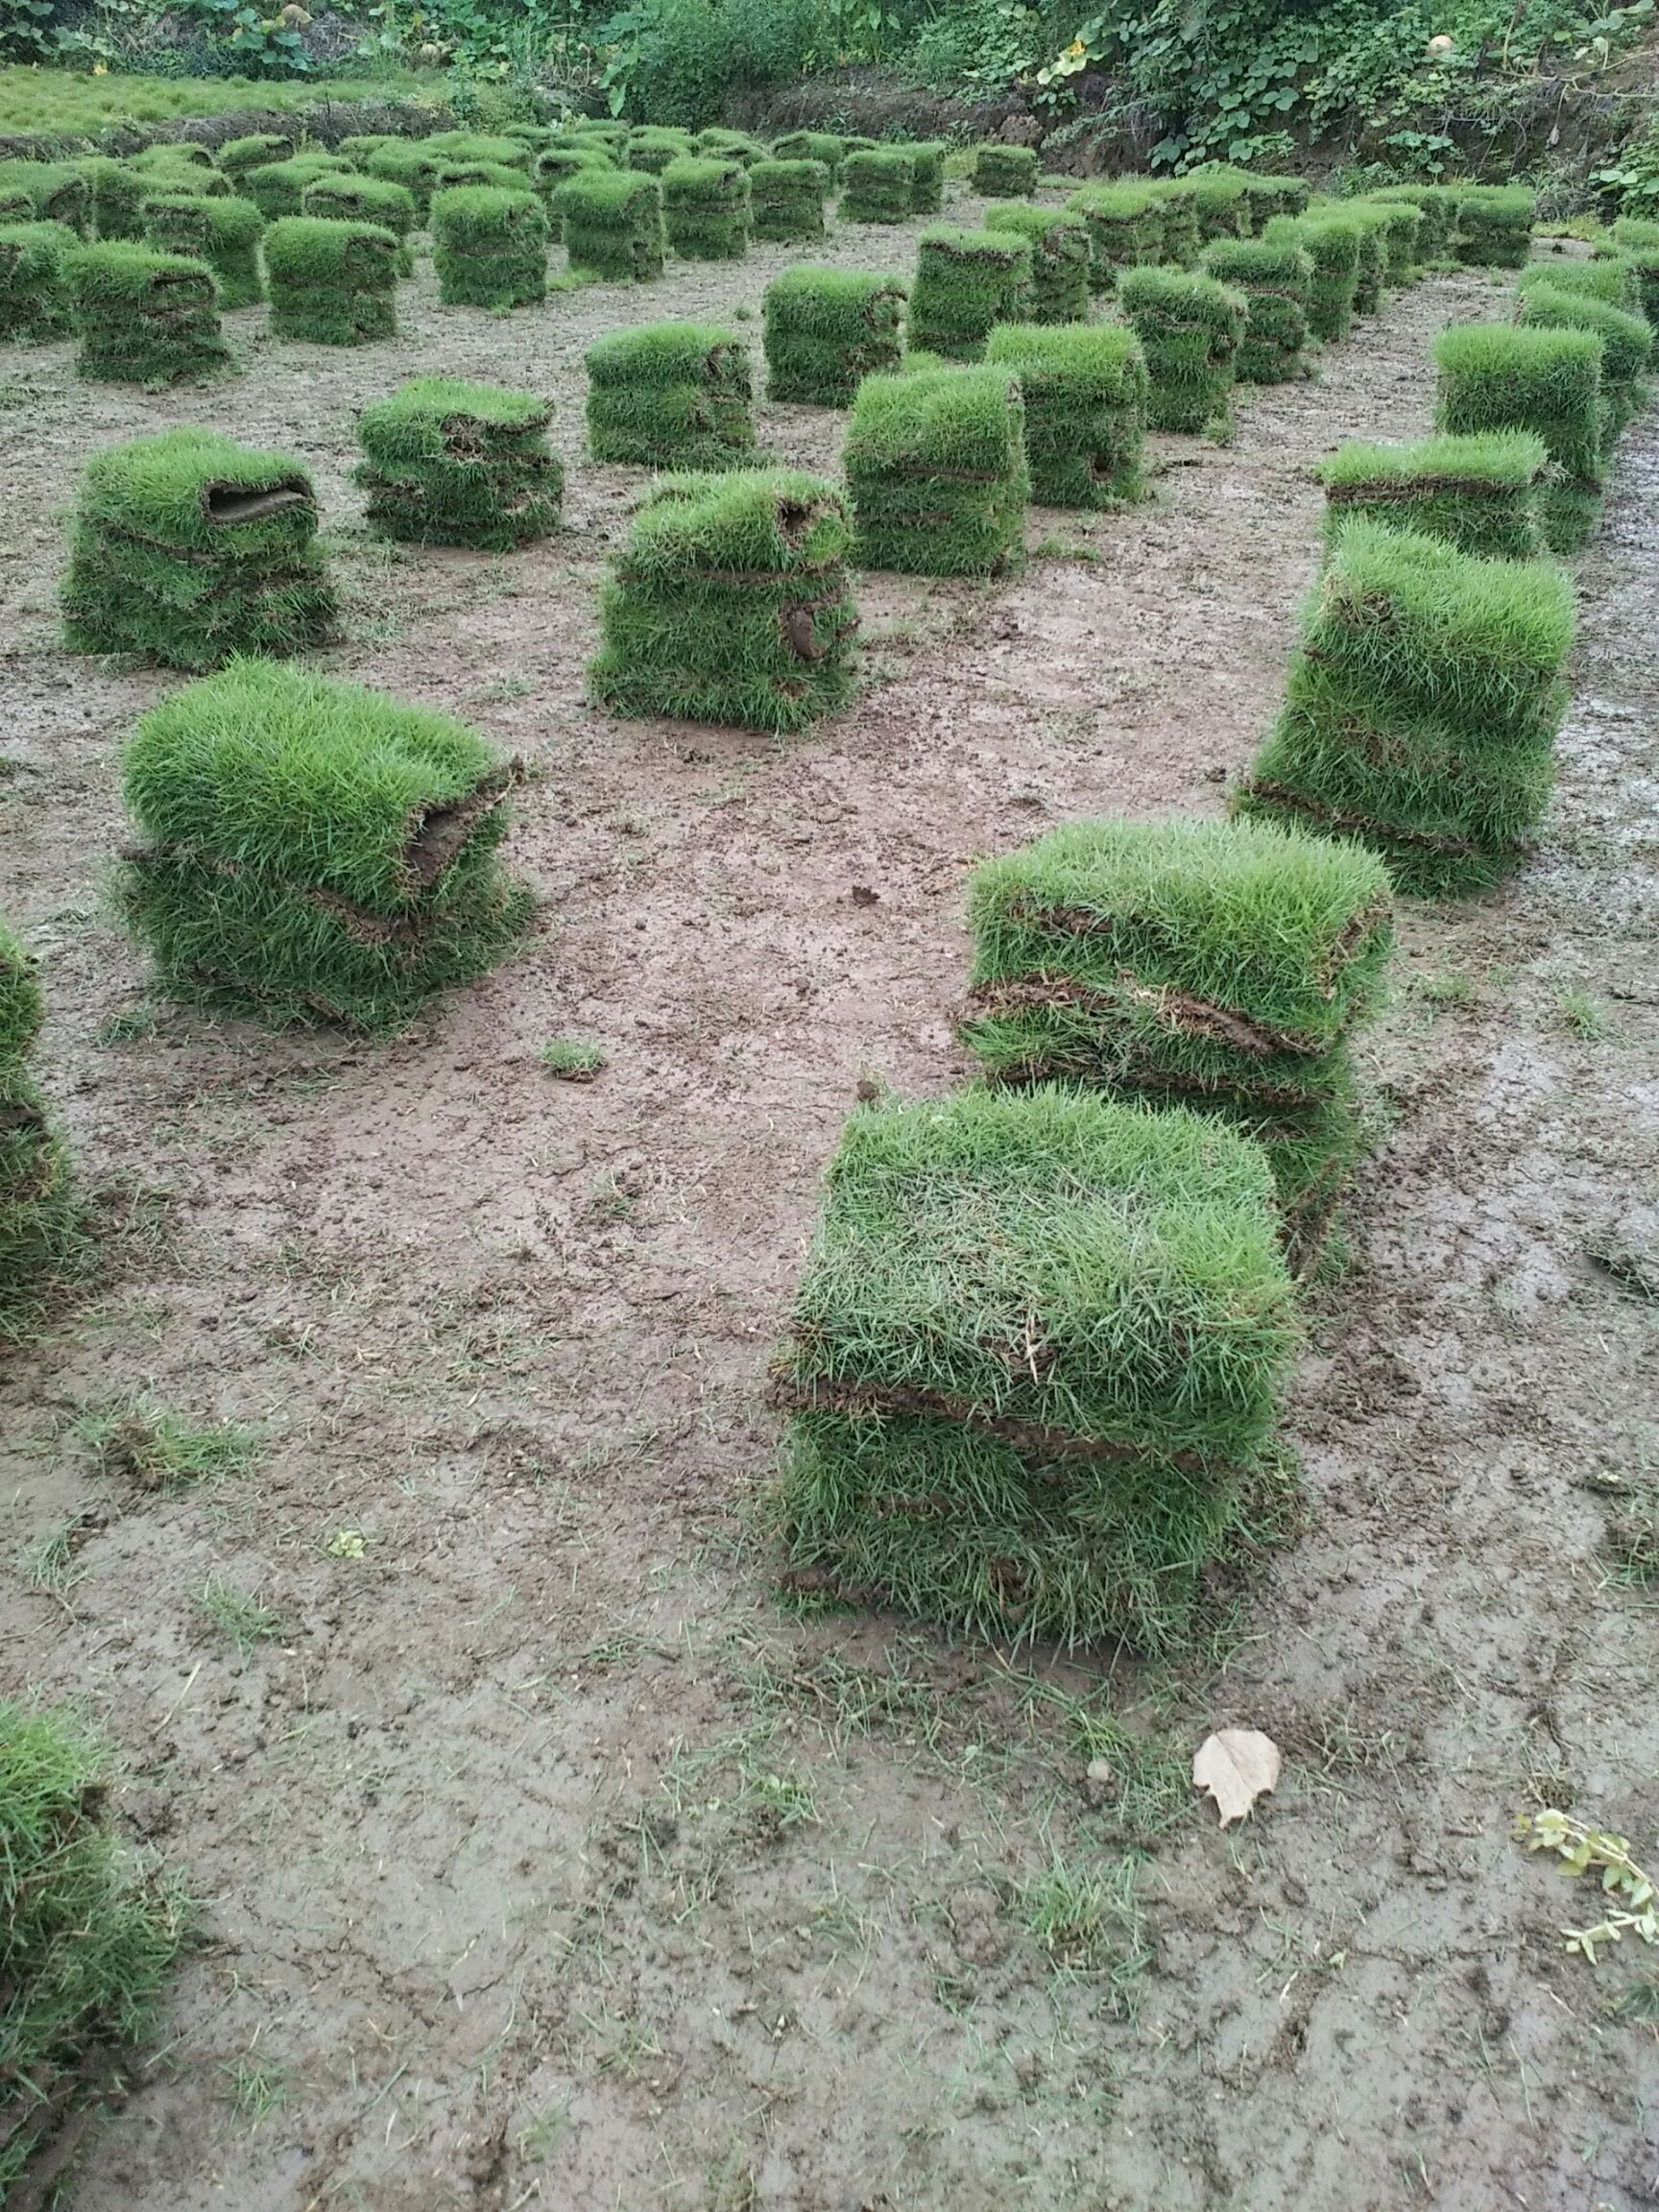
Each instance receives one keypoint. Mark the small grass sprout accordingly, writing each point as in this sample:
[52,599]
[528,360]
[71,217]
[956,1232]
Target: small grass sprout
[572,1059]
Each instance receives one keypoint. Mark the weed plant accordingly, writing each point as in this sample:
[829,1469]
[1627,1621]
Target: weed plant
[450,463]
[935,463]
[826,329]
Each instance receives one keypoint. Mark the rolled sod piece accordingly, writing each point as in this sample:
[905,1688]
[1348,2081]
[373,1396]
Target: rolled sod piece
[717,145]
[1189,329]
[826,146]
[260,148]
[1493,376]
[966,281]
[706,208]
[174,153]
[1005,172]
[1213,965]
[313,851]
[1269,196]
[826,329]
[878,185]
[1626,348]
[39,1212]
[1061,258]
[927,174]
[490,247]
[361,144]
[1182,239]
[1494,225]
[935,463]
[1613,277]
[1482,495]
[1421,708]
[731,603]
[1438,209]
[351,198]
[1275,281]
[1085,398]
[671,396]
[594,131]
[1125,226]
[613,223]
[412,162]
[47,192]
[34,299]
[448,463]
[187,548]
[786,200]
[1039,1339]
[1332,245]
[277,188]
[142,317]
[116,194]
[331,283]
[225,233]
[652,147]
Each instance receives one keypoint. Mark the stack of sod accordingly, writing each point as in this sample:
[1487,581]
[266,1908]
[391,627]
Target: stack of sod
[223,234]
[358,148]
[555,166]
[277,188]
[1370,221]
[966,281]
[488,248]
[1189,329]
[1061,258]
[344,199]
[188,548]
[1638,243]
[1482,493]
[612,139]
[1612,277]
[1494,225]
[1085,397]
[411,164]
[39,1214]
[332,284]
[1332,245]
[532,137]
[878,185]
[935,463]
[927,174]
[115,196]
[1040,1345]
[1275,281]
[717,145]
[1125,226]
[462,147]
[1626,346]
[90,1933]
[826,146]
[671,396]
[1402,230]
[1005,172]
[34,283]
[1219,204]
[613,223]
[653,146]
[315,850]
[142,317]
[448,463]
[786,200]
[1222,966]
[731,603]
[1438,209]
[46,192]
[259,149]
[183,177]
[1266,197]
[1181,239]
[1421,708]
[17,207]
[1494,376]
[455,175]
[706,208]
[826,329]
[174,153]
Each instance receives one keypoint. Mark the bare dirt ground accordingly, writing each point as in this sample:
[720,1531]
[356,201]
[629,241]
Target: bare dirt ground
[543,1858]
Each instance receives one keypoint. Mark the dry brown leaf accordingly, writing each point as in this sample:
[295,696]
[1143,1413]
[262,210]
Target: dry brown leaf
[1235,1766]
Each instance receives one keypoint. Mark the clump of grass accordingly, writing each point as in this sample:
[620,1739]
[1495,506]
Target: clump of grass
[573,1059]
[1015,1405]
[936,467]
[731,603]
[1275,281]
[315,850]
[707,209]
[878,185]
[189,548]
[1496,377]
[1482,493]
[1420,711]
[143,317]
[1126,225]
[1084,393]
[1181,241]
[826,329]
[448,463]
[1062,258]
[1189,329]
[786,200]
[331,283]
[237,1613]
[87,1931]
[612,221]
[966,282]
[117,195]
[553,166]
[1089,1920]
[1583,1014]
[134,1440]
[1005,172]
[671,396]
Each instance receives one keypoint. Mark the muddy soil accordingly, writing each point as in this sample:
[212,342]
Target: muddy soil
[544,1857]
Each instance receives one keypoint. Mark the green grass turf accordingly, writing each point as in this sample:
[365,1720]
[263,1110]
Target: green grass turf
[143,317]
[827,146]
[223,234]
[652,147]
[1005,172]
[1494,228]
[1495,376]
[731,603]
[935,463]
[117,196]
[826,329]
[966,281]
[706,209]
[878,185]
[450,463]
[671,396]
[1276,280]
[612,221]
[55,192]
[1626,346]
[35,302]
[1062,258]
[1125,226]
[927,174]
[277,188]
[786,201]
[1401,233]
[1613,277]
[489,247]
[1084,390]
[1333,246]
[1189,327]
[351,198]
[331,283]
[1437,206]
[258,149]
[1480,493]
[414,164]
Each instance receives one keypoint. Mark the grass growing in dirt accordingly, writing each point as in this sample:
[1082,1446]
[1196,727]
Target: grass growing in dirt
[237,1613]
[135,1440]
[88,1933]
[451,462]
[575,1059]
